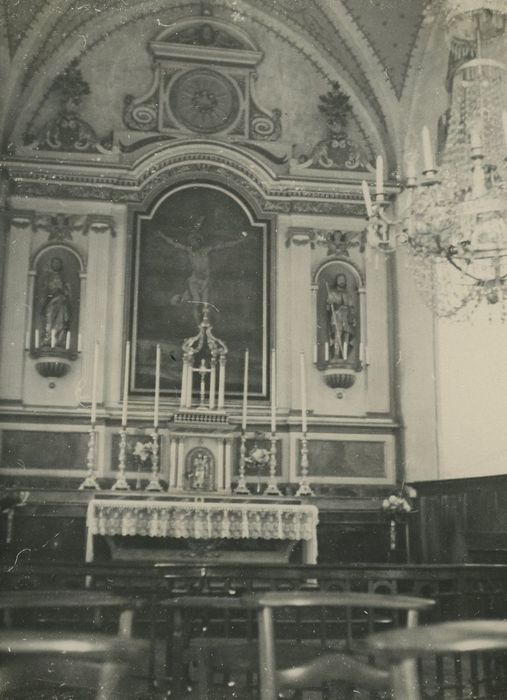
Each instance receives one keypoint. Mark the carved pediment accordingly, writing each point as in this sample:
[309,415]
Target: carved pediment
[204,73]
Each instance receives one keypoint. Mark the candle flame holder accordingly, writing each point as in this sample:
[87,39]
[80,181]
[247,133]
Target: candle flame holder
[304,486]
[272,487]
[121,483]
[154,483]
[90,481]
[242,488]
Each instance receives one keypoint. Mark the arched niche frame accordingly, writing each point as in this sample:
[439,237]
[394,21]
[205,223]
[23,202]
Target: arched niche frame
[198,242]
[340,322]
[57,279]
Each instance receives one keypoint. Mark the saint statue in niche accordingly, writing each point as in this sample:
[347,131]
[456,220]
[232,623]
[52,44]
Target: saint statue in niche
[198,254]
[342,319]
[56,309]
[199,472]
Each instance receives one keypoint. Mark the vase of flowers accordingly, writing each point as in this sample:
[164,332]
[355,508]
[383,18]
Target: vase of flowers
[396,509]
[142,451]
[258,461]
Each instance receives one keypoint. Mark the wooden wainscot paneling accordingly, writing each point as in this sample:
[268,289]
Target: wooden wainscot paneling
[463,520]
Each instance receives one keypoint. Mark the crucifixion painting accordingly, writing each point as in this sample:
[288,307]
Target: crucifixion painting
[198,254]
[201,245]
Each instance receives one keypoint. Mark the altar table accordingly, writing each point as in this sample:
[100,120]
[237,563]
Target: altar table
[204,520]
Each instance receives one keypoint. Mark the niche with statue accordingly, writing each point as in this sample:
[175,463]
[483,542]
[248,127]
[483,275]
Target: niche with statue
[56,277]
[339,303]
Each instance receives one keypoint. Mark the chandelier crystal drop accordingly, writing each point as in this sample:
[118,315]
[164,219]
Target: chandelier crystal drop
[454,220]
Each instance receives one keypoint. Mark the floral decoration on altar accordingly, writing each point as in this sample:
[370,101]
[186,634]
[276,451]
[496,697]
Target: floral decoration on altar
[258,458]
[396,508]
[142,451]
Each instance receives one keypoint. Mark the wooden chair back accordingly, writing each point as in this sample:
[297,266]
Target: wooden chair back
[96,601]
[315,671]
[405,649]
[31,661]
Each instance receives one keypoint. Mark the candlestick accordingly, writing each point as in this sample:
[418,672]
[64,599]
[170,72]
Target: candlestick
[90,481]
[157,388]
[411,170]
[245,391]
[272,487]
[475,136]
[221,382]
[67,340]
[242,488]
[379,184]
[95,375]
[367,198]
[303,390]
[213,382]
[429,164]
[154,483]
[304,487]
[121,483]
[126,386]
[273,391]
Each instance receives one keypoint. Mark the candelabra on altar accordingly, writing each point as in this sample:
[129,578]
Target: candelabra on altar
[304,486]
[90,481]
[121,483]
[272,487]
[241,487]
[154,483]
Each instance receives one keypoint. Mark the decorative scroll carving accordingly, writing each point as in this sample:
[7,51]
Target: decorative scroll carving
[60,226]
[337,151]
[203,82]
[67,131]
[338,242]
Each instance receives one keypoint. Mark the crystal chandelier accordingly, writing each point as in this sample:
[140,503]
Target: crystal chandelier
[454,220]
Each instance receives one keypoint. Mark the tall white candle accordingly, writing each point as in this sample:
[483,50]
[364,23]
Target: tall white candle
[67,340]
[273,391]
[427,149]
[157,388]
[326,351]
[245,392]
[37,338]
[53,337]
[95,374]
[367,198]
[379,184]
[303,392]
[125,404]
[475,135]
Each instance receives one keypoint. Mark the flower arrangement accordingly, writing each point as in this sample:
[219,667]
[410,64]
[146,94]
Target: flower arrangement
[396,506]
[143,450]
[258,457]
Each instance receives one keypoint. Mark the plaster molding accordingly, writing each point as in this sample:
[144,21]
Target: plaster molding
[62,226]
[369,119]
[267,191]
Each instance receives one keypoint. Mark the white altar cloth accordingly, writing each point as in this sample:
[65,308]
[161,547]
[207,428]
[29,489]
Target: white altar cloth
[204,520]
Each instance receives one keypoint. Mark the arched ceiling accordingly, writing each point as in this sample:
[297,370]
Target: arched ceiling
[367,44]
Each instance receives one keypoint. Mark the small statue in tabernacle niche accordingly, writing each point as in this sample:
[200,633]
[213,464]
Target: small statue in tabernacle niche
[200,470]
[56,299]
[342,318]
[56,310]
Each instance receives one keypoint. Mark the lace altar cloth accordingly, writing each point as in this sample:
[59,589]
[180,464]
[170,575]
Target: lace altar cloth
[201,520]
